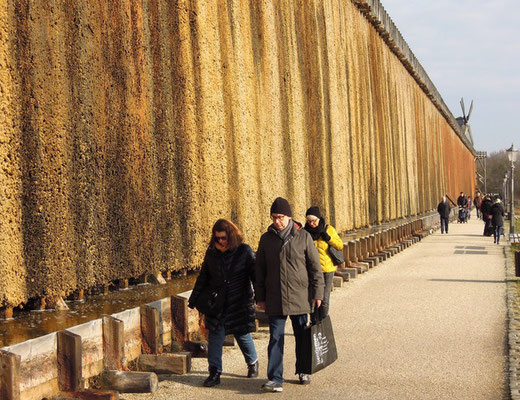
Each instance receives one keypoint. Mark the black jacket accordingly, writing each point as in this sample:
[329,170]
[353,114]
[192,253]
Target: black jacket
[497,212]
[462,201]
[485,206]
[238,315]
[444,209]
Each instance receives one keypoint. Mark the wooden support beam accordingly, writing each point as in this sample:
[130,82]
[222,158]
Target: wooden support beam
[170,363]
[56,303]
[167,275]
[6,312]
[122,284]
[150,320]
[113,343]
[343,274]
[69,361]
[157,279]
[78,295]
[9,376]
[129,382]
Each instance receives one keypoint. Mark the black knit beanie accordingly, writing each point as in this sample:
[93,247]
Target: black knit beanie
[314,210]
[281,206]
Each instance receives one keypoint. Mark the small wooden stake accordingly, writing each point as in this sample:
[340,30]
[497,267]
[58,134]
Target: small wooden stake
[164,363]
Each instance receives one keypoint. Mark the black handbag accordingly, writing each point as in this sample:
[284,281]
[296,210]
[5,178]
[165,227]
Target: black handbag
[317,348]
[336,256]
[211,299]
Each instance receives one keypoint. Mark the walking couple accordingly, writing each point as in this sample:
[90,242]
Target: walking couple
[287,272]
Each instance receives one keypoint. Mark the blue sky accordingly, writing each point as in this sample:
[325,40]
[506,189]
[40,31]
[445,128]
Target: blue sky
[470,49]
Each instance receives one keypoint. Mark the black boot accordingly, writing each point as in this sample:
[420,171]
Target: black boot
[252,370]
[213,379]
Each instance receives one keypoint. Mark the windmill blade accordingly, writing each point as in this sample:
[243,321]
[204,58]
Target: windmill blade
[470,110]
[463,109]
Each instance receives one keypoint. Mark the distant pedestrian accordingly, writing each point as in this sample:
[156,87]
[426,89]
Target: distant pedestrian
[324,236]
[444,212]
[469,205]
[462,201]
[497,213]
[289,282]
[485,209]
[228,262]
[476,202]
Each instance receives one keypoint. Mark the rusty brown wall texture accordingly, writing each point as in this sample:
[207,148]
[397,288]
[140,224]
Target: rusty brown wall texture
[128,126]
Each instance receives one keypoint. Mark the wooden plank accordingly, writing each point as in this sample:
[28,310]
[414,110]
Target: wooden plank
[129,382]
[69,355]
[9,376]
[198,348]
[113,343]
[164,363]
[337,281]
[150,320]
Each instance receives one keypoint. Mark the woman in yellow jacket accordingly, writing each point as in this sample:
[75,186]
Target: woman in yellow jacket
[324,236]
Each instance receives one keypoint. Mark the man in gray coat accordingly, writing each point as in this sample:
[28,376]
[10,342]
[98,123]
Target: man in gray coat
[289,281]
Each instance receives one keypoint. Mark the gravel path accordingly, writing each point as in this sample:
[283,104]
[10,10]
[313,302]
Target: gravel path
[429,323]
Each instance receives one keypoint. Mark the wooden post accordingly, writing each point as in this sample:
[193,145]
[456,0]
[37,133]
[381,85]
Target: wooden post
[9,376]
[57,303]
[198,348]
[352,251]
[150,320]
[130,382]
[69,361]
[337,281]
[113,343]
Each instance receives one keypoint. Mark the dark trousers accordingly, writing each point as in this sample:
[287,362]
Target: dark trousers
[497,232]
[325,304]
[444,224]
[276,343]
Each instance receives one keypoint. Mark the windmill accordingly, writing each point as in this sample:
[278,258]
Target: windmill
[464,120]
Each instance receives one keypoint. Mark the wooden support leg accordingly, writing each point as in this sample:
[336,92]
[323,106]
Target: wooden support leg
[122,284]
[69,361]
[6,312]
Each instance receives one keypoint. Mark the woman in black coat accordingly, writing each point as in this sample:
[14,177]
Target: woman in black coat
[227,269]
[497,218]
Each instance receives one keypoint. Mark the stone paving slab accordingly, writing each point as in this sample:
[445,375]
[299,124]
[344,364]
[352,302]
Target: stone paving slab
[428,323]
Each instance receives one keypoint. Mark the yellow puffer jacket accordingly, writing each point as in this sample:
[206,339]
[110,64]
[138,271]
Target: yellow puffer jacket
[323,249]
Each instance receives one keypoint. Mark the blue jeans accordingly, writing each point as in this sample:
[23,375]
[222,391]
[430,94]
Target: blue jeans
[276,343]
[498,232]
[444,224]
[216,341]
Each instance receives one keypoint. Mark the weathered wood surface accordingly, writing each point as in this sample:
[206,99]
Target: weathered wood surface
[89,394]
[129,382]
[150,330]
[113,343]
[69,354]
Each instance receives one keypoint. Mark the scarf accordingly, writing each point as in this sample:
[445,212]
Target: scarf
[315,232]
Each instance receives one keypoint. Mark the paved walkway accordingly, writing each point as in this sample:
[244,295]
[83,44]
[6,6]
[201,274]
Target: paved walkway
[429,323]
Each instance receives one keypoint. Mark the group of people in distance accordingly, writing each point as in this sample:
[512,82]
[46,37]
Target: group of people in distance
[290,274]
[489,208]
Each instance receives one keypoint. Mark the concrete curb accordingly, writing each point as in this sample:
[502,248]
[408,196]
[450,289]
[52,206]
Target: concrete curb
[513,325]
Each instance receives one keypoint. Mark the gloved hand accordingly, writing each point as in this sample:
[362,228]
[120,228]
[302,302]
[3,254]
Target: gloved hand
[325,236]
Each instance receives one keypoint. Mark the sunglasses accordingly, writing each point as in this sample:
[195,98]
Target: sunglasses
[220,238]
